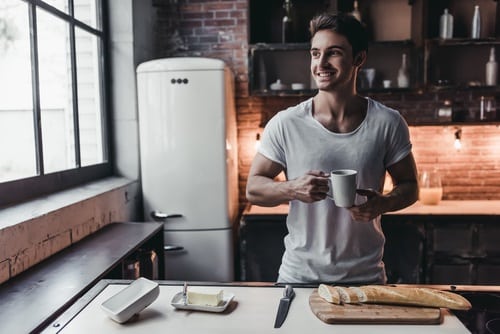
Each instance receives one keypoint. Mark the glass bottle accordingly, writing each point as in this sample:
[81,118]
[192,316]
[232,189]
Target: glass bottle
[355,12]
[446,25]
[262,74]
[403,74]
[491,69]
[287,23]
[476,23]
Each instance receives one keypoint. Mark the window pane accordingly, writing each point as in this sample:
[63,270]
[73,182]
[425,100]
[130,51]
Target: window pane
[86,11]
[17,143]
[89,97]
[62,5]
[56,100]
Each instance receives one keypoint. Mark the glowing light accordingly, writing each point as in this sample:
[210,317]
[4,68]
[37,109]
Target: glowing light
[257,141]
[458,139]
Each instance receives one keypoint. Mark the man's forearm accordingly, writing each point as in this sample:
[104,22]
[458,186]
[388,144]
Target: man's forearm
[264,191]
[401,196]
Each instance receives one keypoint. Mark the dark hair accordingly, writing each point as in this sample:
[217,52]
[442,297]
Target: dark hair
[344,24]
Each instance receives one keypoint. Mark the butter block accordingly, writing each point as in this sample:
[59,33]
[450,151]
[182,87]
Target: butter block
[203,298]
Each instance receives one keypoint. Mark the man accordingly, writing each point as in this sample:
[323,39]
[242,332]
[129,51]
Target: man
[336,129]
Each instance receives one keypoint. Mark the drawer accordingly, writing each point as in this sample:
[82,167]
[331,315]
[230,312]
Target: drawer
[488,238]
[452,273]
[452,238]
[488,273]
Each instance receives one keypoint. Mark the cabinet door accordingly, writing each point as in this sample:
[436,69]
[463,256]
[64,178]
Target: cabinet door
[451,271]
[261,247]
[403,251]
[488,239]
[454,239]
[488,273]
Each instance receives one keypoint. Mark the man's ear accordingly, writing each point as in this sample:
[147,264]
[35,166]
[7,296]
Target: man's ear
[360,58]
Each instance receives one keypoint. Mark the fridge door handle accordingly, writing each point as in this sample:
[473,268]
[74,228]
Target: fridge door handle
[161,216]
[172,248]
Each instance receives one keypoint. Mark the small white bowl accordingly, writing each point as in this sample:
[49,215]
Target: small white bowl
[131,300]
[298,86]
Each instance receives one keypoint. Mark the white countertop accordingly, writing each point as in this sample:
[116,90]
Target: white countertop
[468,207]
[253,311]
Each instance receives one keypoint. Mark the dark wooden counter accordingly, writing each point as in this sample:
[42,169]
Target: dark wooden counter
[29,301]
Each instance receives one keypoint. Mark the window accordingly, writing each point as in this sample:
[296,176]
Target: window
[52,96]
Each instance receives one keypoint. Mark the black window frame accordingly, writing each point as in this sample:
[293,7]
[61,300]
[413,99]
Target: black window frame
[22,190]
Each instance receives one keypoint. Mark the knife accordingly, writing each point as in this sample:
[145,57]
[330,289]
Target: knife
[285,302]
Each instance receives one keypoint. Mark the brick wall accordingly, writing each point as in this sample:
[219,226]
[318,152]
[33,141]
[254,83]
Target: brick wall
[57,221]
[218,28]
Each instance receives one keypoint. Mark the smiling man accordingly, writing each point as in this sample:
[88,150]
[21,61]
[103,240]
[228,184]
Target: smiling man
[336,129]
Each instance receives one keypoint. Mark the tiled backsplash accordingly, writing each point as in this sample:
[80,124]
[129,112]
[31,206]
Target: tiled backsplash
[218,29]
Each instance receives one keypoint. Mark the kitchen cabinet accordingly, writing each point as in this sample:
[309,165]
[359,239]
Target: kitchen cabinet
[261,246]
[413,29]
[463,250]
[455,242]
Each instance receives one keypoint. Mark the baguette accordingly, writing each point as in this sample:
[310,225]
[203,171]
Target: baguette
[383,294]
[347,295]
[329,293]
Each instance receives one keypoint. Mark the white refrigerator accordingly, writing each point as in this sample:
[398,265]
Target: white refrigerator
[189,171]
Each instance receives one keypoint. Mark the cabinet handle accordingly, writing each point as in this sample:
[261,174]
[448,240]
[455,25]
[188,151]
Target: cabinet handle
[161,216]
[172,248]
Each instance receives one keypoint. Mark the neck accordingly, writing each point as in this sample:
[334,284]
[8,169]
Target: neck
[337,101]
[339,112]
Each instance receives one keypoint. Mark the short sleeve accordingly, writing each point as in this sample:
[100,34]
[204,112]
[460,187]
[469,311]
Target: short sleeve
[272,141]
[398,144]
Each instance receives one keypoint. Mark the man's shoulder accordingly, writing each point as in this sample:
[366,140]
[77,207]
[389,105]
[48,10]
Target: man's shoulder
[296,111]
[380,110]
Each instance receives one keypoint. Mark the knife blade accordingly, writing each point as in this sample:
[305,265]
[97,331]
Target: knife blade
[284,305]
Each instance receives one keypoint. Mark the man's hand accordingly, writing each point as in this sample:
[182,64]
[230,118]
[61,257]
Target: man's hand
[371,208]
[311,187]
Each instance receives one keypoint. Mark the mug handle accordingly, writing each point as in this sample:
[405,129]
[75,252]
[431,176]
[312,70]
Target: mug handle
[329,194]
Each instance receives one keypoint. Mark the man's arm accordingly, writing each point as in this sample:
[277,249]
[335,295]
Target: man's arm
[404,193]
[263,190]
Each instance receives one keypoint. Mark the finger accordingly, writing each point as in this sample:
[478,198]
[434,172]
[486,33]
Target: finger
[367,192]
[318,173]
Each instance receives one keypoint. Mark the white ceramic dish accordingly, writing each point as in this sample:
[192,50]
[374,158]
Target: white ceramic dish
[178,302]
[131,300]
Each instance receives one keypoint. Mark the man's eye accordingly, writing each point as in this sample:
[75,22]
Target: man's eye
[315,54]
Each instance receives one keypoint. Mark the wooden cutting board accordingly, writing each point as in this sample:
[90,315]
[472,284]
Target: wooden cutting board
[372,313]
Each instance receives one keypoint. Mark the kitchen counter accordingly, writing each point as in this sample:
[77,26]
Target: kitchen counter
[468,207]
[253,310]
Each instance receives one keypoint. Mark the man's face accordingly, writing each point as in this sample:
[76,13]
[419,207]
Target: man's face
[332,61]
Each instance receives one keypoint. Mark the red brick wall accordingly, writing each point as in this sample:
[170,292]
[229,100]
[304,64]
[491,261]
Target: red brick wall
[218,28]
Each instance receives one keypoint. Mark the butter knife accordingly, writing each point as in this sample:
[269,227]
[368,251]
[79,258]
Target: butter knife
[285,302]
[184,293]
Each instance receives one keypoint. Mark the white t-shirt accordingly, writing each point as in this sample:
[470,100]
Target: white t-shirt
[323,243]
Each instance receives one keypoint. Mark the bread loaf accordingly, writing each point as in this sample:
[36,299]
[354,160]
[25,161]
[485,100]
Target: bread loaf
[329,293]
[347,295]
[383,294]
